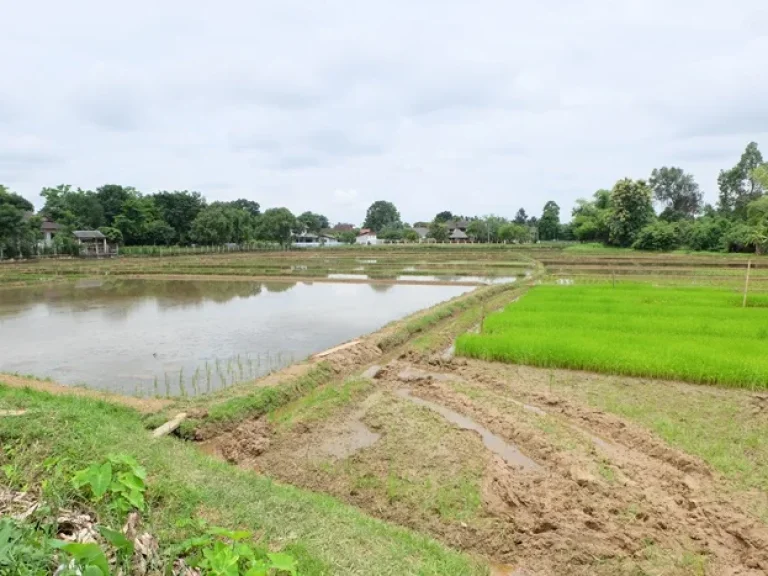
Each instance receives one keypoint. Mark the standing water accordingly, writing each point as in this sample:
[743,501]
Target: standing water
[161,337]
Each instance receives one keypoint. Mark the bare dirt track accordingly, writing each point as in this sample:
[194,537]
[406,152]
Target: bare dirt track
[604,496]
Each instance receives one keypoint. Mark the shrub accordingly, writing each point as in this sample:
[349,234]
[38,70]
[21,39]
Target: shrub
[658,236]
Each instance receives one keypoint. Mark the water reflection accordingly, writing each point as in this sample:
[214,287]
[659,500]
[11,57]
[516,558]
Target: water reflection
[176,336]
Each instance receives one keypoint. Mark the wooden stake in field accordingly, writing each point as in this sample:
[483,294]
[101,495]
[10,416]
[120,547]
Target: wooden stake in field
[746,284]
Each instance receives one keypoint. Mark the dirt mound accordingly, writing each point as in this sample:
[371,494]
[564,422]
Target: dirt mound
[246,442]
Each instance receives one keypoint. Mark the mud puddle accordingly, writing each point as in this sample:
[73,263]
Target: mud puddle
[510,453]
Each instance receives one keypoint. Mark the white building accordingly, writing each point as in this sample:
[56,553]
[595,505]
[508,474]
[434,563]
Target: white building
[310,240]
[367,237]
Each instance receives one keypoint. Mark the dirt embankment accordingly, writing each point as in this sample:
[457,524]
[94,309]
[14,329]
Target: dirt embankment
[605,495]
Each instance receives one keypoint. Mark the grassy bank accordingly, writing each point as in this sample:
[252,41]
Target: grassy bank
[60,435]
[697,335]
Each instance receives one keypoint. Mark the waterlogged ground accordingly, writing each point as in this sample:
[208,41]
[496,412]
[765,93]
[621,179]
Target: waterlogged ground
[163,337]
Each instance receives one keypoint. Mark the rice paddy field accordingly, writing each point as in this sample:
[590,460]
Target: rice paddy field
[700,335]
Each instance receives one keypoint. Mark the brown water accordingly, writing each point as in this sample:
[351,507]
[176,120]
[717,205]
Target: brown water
[161,337]
[509,452]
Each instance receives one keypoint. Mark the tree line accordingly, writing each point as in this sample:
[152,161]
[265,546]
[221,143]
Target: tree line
[128,217]
[624,216]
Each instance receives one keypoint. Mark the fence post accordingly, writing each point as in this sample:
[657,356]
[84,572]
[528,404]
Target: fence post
[746,284]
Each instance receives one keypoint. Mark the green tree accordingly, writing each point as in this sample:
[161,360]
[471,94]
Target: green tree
[738,186]
[677,192]
[391,233]
[15,200]
[659,235]
[114,236]
[112,197]
[514,232]
[313,222]
[277,225]
[411,235]
[380,215]
[253,208]
[521,217]
[549,224]
[179,209]
[348,236]
[443,217]
[631,210]
[212,226]
[438,231]
[78,209]
[478,230]
[139,222]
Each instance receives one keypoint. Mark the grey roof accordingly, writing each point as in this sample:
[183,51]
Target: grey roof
[48,225]
[421,231]
[452,225]
[458,235]
[88,235]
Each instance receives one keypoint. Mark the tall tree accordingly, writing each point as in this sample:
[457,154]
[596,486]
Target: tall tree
[549,224]
[15,200]
[253,208]
[277,225]
[313,222]
[521,217]
[179,209]
[738,187]
[76,209]
[677,191]
[438,231]
[444,216]
[112,197]
[631,209]
[381,214]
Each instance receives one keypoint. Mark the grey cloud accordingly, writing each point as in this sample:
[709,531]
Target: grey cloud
[16,163]
[111,110]
[337,143]
[291,162]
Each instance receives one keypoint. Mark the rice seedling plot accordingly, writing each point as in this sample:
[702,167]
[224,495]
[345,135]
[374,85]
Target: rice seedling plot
[695,334]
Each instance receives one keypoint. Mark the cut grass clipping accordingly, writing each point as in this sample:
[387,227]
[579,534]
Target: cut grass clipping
[694,334]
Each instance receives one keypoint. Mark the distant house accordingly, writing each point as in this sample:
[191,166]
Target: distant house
[92,243]
[422,231]
[458,236]
[457,225]
[49,230]
[311,240]
[342,227]
[367,237]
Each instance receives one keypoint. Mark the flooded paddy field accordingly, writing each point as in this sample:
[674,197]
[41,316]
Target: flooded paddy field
[186,337]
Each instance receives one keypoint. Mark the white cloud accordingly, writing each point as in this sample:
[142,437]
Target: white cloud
[497,105]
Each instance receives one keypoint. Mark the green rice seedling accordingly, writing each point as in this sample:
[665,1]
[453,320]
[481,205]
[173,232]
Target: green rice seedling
[700,335]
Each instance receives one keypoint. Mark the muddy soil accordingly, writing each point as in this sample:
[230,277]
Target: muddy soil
[580,491]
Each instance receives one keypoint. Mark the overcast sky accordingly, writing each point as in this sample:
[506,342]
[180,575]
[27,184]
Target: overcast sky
[475,107]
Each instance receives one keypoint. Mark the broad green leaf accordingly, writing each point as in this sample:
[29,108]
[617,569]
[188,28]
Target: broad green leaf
[131,481]
[94,571]
[284,562]
[101,480]
[88,554]
[231,534]
[117,539]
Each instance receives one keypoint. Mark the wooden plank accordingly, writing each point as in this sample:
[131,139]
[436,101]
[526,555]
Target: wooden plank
[169,426]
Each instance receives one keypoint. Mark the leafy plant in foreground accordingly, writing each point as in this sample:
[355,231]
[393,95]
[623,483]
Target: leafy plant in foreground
[222,552]
[120,480]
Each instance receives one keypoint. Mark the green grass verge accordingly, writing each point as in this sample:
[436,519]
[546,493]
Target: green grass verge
[695,334]
[258,403]
[425,321]
[326,536]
